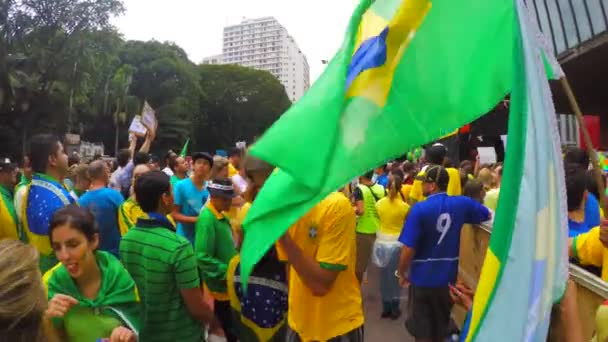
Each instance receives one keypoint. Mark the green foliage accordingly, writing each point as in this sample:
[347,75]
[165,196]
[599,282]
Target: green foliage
[65,69]
[239,104]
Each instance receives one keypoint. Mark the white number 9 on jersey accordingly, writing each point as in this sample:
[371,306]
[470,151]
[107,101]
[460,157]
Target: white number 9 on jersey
[444,222]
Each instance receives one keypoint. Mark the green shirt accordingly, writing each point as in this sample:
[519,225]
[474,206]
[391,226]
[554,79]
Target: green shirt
[214,249]
[174,179]
[162,263]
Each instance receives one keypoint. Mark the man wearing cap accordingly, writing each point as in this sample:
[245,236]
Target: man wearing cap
[431,243]
[214,248]
[435,155]
[191,195]
[9,225]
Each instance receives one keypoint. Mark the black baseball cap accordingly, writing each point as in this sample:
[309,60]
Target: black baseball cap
[435,174]
[436,153]
[7,165]
[202,155]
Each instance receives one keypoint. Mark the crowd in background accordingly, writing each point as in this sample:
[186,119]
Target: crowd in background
[127,251]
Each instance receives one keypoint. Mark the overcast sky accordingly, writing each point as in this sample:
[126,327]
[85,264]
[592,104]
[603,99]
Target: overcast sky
[318,26]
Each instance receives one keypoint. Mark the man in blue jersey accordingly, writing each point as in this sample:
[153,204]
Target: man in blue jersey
[429,257]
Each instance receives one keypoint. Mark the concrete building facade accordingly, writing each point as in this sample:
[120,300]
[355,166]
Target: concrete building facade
[264,44]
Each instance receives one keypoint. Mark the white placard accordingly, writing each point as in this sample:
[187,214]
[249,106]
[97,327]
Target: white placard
[487,155]
[137,127]
[148,117]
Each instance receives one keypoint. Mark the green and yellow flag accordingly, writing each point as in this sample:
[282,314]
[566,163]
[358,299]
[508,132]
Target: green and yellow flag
[407,73]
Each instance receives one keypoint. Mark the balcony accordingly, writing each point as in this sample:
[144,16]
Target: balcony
[572,26]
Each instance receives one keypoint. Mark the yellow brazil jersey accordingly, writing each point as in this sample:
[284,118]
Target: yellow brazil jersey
[589,250]
[454,187]
[128,214]
[327,234]
[392,214]
[232,171]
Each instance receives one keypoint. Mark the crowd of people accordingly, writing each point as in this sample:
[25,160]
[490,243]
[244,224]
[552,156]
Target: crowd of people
[129,252]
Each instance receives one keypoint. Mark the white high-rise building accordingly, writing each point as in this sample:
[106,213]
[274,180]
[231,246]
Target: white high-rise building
[217,59]
[264,44]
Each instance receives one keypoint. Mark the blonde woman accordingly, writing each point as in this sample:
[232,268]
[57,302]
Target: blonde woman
[22,298]
[392,211]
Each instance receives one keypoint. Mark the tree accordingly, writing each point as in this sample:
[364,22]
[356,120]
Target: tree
[239,104]
[169,82]
[44,50]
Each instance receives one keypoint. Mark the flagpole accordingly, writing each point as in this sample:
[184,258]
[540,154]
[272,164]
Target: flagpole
[597,171]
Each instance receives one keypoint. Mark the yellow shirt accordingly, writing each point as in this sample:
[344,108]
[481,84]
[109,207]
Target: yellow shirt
[405,191]
[392,215]
[8,224]
[327,234]
[232,171]
[589,250]
[491,200]
[454,187]
[128,214]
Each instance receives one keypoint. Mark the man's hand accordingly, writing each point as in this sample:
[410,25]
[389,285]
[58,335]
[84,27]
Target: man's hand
[462,294]
[59,305]
[604,233]
[404,281]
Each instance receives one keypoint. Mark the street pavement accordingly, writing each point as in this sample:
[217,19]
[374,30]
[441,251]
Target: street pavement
[377,329]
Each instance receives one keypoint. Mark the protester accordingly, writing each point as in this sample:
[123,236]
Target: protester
[587,248]
[154,162]
[577,197]
[392,211]
[381,176]
[220,168]
[475,190]
[491,199]
[409,172]
[261,317]
[91,295]
[431,239]
[22,298]
[435,155]
[191,194]
[214,249]
[170,159]
[21,189]
[104,203]
[234,157]
[179,169]
[366,194]
[130,211]
[9,223]
[82,181]
[164,268]
[45,195]
[576,156]
[324,294]
[142,157]
[122,159]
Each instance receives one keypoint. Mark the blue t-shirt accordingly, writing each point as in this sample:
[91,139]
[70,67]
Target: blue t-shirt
[577,228]
[191,200]
[592,212]
[432,229]
[382,180]
[104,203]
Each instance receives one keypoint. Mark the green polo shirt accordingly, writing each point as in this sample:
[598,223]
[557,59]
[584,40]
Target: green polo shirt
[162,263]
[214,249]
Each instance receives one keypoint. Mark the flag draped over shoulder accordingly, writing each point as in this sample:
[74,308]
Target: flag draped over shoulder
[525,269]
[407,73]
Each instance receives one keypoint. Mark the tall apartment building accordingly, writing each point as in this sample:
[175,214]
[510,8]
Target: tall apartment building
[264,44]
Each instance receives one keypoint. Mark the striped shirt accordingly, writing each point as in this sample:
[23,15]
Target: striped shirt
[162,263]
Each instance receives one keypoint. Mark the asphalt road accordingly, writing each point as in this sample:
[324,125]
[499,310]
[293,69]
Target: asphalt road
[377,329]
